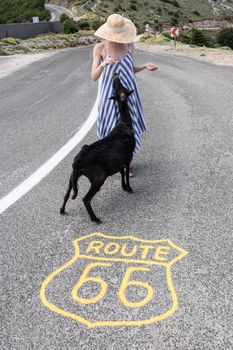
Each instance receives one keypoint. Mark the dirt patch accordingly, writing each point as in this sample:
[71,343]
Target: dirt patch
[216,56]
[9,64]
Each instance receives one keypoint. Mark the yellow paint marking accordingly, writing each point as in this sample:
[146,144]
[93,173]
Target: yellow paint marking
[112,248]
[145,249]
[159,251]
[146,262]
[111,245]
[131,253]
[125,283]
[83,279]
[95,246]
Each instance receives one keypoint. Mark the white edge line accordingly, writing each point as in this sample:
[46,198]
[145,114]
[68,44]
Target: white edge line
[50,164]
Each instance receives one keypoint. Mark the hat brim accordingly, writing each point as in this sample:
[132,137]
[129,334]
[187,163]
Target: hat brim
[127,35]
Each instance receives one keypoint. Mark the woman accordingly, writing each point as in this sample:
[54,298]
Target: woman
[115,55]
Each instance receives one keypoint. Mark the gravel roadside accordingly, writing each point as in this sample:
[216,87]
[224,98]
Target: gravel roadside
[216,56]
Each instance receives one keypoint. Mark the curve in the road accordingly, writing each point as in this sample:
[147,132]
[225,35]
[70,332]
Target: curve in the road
[56,12]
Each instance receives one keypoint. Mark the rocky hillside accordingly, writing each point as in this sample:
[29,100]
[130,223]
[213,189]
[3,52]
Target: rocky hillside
[156,12]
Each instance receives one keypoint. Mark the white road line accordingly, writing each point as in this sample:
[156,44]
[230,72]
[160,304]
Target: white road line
[50,164]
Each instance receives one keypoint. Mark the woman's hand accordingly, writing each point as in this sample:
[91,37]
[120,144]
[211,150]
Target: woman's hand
[151,66]
[107,61]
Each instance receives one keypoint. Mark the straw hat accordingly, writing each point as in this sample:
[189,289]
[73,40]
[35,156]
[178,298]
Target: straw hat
[117,29]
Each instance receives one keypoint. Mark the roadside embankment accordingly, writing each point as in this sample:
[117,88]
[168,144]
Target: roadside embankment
[16,53]
[216,56]
[12,46]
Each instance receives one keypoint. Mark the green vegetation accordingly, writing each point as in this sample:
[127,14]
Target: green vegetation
[162,11]
[20,11]
[152,39]
[69,26]
[225,37]
[90,22]
[208,38]
[44,42]
[156,13]
[11,41]
[172,2]
[151,11]
[196,37]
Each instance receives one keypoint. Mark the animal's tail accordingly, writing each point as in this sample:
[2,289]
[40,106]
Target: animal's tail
[77,172]
[75,178]
[62,209]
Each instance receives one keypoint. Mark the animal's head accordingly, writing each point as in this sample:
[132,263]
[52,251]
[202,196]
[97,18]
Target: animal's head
[121,93]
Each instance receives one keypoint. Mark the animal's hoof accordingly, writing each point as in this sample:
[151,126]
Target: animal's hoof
[74,196]
[62,211]
[129,189]
[98,221]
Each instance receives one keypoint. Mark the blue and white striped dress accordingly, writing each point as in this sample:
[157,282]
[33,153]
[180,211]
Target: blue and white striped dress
[108,113]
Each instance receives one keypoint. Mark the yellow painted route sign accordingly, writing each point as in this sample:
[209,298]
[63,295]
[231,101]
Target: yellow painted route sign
[115,281]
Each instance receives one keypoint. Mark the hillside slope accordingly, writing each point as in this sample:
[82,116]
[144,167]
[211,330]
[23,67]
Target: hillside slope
[156,11]
[17,11]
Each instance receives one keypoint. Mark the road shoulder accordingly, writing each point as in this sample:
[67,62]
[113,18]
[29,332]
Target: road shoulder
[216,56]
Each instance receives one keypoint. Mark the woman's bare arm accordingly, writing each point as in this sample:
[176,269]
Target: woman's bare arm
[98,62]
[149,66]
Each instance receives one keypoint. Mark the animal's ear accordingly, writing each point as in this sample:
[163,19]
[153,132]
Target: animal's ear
[112,98]
[129,93]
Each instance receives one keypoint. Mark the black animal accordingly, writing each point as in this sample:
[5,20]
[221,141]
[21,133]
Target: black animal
[107,156]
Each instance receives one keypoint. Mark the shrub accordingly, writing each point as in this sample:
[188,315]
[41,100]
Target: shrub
[96,23]
[3,52]
[225,37]
[175,3]
[133,7]
[172,2]
[167,35]
[154,39]
[198,38]
[63,17]
[174,21]
[84,25]
[17,11]
[69,26]
[11,41]
[196,13]
[185,37]
[146,36]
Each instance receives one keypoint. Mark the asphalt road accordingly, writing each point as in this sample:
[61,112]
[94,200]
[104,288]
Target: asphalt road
[139,292]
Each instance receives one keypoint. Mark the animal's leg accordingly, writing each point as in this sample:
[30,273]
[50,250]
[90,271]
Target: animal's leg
[62,210]
[74,183]
[123,184]
[127,188]
[87,201]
